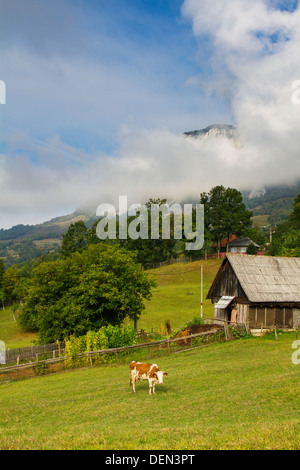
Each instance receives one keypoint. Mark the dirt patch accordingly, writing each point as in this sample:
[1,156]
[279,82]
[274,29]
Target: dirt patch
[192,330]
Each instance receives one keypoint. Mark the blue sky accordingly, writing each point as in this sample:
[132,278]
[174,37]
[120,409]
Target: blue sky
[100,91]
[134,58]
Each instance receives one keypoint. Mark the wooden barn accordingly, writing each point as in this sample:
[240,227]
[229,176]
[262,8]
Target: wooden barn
[258,291]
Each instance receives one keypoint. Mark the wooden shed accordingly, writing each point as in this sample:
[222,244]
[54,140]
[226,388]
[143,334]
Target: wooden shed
[258,291]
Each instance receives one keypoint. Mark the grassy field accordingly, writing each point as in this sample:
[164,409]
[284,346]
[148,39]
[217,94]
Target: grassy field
[177,297]
[234,395]
[11,333]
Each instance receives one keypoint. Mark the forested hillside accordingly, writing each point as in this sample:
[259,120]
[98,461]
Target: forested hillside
[23,242]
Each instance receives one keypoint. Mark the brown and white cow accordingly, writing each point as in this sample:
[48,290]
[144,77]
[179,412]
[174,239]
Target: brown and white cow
[143,371]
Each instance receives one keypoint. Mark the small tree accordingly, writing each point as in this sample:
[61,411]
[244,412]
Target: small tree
[225,213]
[75,239]
[2,298]
[251,249]
[10,282]
[102,285]
[2,271]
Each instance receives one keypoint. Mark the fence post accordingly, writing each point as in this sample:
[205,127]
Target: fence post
[117,357]
[226,332]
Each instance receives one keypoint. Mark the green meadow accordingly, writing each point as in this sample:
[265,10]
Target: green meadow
[236,395]
[177,296]
[242,394]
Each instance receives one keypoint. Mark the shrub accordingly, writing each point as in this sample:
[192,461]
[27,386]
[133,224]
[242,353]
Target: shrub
[107,337]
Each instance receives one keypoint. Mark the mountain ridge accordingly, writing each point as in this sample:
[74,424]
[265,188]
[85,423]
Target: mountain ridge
[214,130]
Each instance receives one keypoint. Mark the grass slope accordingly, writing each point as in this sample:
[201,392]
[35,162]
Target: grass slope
[10,331]
[237,395]
[177,297]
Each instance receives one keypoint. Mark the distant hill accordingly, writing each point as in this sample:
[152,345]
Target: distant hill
[23,242]
[272,204]
[53,228]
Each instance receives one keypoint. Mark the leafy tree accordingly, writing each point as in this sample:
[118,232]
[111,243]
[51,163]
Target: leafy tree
[2,297]
[286,240]
[204,199]
[75,239]
[295,215]
[225,213]
[215,203]
[154,250]
[251,249]
[237,219]
[2,271]
[100,286]
[149,250]
[257,236]
[10,283]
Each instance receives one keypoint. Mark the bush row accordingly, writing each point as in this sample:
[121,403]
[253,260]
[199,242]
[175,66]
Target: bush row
[106,337]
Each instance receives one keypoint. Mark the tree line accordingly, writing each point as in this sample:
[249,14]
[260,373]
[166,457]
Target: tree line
[225,214]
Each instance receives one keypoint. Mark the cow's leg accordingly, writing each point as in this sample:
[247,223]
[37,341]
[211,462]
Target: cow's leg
[132,381]
[150,386]
[153,387]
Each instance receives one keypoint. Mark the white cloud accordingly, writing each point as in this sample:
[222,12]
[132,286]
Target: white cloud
[255,48]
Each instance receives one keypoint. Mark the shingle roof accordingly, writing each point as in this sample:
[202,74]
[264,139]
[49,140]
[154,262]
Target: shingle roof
[245,241]
[224,301]
[267,278]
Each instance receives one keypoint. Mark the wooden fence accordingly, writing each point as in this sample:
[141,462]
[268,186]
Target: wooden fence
[112,356]
[33,352]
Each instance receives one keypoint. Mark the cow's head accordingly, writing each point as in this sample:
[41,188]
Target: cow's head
[159,375]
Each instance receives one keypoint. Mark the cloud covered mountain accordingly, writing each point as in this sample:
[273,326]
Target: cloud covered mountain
[215,130]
